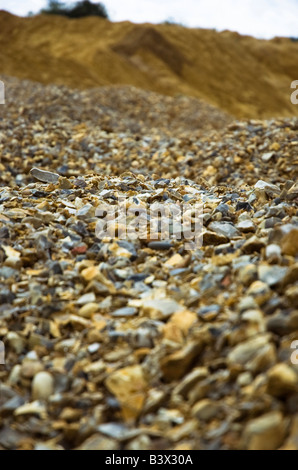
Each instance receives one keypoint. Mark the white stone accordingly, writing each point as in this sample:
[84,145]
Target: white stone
[42,386]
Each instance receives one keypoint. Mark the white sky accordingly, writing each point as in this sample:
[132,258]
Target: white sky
[260,18]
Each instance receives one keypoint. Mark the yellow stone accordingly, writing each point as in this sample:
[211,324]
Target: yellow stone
[87,310]
[129,387]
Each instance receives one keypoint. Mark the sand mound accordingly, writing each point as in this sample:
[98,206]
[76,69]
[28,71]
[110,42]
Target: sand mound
[113,108]
[244,76]
[149,40]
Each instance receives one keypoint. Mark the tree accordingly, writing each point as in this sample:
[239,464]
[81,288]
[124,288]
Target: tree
[86,8]
[77,10]
[55,7]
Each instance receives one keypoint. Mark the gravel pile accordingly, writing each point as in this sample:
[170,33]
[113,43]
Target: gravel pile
[116,342]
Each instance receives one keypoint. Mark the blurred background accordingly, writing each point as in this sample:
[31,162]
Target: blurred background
[260,18]
[238,56]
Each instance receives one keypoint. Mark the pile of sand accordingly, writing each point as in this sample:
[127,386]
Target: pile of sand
[241,75]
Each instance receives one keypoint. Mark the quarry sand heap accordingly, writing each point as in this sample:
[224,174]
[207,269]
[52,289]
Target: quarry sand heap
[243,76]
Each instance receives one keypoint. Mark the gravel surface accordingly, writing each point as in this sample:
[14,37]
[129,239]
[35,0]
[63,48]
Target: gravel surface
[116,342]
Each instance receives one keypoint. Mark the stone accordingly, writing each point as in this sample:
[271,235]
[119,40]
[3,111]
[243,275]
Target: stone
[34,408]
[11,405]
[289,243]
[252,245]
[160,309]
[118,431]
[292,441]
[266,157]
[190,380]
[44,176]
[129,387]
[64,183]
[259,291]
[42,386]
[177,364]
[179,325]
[225,229]
[255,354]
[265,433]
[142,442]
[209,312]
[248,274]
[15,375]
[16,342]
[268,188]
[273,253]
[125,312]
[292,296]
[88,309]
[282,380]
[160,245]
[93,348]
[272,275]
[88,210]
[291,275]
[246,226]
[213,238]
[244,379]
[206,410]
[30,368]
[86,299]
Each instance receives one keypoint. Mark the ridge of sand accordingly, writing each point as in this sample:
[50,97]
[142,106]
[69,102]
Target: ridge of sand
[243,76]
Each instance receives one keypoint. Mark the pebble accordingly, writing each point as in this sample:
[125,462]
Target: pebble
[160,245]
[15,341]
[273,253]
[129,386]
[42,386]
[282,380]
[252,245]
[266,157]
[265,433]
[86,299]
[190,380]
[213,238]
[88,309]
[125,312]
[177,364]
[268,188]
[160,309]
[272,275]
[30,368]
[255,354]
[260,291]
[289,243]
[206,410]
[44,176]
[34,408]
[225,229]
[99,442]
[292,296]
[246,226]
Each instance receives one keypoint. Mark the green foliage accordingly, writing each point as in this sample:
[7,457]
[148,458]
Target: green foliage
[55,7]
[77,10]
[172,21]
